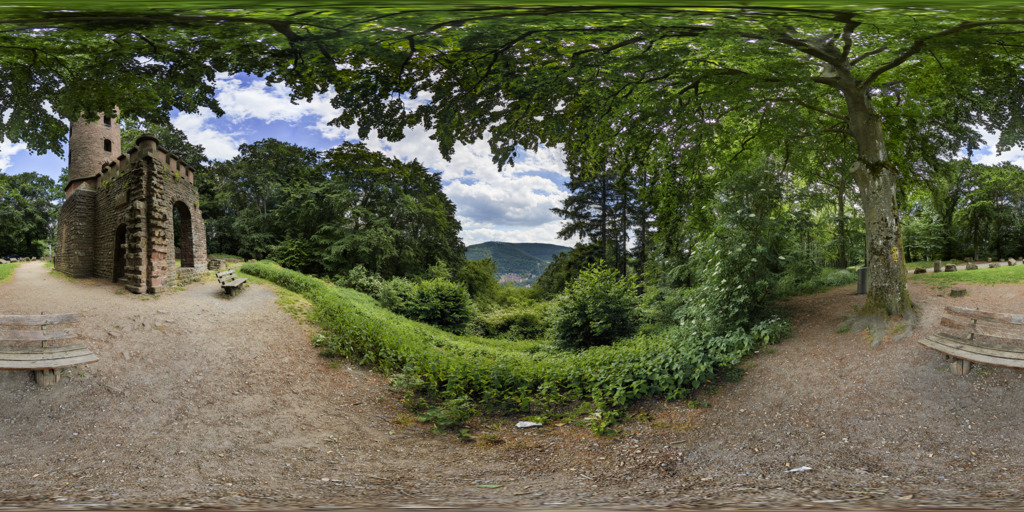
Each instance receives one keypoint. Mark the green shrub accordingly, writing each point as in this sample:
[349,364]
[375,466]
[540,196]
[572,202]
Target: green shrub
[597,308]
[824,279]
[514,322]
[398,294]
[442,303]
[362,280]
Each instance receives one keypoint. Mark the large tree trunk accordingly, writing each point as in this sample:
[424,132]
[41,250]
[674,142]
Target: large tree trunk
[876,177]
[841,224]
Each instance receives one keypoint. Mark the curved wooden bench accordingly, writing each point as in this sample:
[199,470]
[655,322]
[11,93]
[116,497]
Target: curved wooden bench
[38,343]
[971,335]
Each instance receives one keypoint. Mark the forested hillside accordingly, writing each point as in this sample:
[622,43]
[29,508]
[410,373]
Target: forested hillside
[522,259]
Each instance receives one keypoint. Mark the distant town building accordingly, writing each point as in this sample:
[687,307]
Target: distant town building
[512,278]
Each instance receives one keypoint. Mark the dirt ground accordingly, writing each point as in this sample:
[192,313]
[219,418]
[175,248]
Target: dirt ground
[200,400]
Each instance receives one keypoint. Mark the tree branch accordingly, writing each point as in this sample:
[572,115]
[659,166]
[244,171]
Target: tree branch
[919,45]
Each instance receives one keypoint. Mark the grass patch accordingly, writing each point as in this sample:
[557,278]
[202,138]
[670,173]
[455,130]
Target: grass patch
[222,256]
[930,264]
[7,271]
[984,275]
[462,373]
[293,303]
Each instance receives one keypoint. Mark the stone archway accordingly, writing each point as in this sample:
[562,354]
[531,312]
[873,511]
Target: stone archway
[120,259]
[183,240]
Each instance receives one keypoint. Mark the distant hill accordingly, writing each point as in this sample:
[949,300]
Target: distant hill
[524,260]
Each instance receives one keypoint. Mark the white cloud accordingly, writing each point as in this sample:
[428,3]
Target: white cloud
[268,103]
[544,234]
[219,145]
[512,198]
[8,150]
[988,155]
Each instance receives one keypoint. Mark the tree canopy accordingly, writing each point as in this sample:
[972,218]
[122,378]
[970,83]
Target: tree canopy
[685,95]
[328,213]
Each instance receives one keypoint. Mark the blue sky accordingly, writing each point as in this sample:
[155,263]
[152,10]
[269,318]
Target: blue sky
[513,205]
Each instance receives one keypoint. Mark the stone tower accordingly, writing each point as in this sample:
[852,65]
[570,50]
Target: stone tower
[126,215]
[92,144]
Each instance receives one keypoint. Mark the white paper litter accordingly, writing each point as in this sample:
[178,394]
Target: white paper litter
[528,424]
[801,468]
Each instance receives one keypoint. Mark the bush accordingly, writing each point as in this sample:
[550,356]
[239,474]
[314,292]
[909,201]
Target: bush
[598,308]
[442,303]
[398,295]
[514,322]
[824,279]
[362,280]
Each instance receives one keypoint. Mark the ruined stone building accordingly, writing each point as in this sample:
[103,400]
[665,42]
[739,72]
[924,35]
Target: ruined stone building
[126,215]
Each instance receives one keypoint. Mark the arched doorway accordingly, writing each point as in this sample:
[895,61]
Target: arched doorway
[183,234]
[120,242]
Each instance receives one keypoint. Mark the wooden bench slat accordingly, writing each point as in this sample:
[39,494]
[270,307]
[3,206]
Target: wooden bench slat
[46,358]
[224,273]
[986,355]
[49,364]
[1010,318]
[1009,350]
[47,353]
[38,320]
[236,283]
[35,335]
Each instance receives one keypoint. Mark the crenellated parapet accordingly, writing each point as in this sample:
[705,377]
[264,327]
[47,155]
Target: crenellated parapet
[107,171]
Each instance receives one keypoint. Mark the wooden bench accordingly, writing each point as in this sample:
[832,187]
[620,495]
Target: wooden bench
[39,343]
[977,336]
[230,282]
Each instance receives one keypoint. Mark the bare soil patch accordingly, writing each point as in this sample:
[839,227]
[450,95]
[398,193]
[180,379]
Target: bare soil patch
[203,400]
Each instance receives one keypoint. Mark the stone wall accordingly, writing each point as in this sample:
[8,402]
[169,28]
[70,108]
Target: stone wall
[118,203]
[76,234]
[136,193]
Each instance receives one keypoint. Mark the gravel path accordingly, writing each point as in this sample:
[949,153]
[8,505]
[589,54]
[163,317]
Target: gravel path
[201,400]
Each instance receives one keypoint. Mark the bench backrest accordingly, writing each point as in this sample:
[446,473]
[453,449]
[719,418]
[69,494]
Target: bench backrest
[26,331]
[226,273]
[1006,329]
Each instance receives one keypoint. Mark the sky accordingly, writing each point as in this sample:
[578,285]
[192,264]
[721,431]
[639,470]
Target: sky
[513,205]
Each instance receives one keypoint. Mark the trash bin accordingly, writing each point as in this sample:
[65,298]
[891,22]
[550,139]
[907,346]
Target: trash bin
[862,281]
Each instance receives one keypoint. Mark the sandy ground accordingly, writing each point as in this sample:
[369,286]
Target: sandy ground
[202,400]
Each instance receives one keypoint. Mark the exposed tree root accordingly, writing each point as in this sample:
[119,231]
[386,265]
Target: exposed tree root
[900,327]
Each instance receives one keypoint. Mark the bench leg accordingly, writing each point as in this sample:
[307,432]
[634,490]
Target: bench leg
[960,366]
[46,377]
